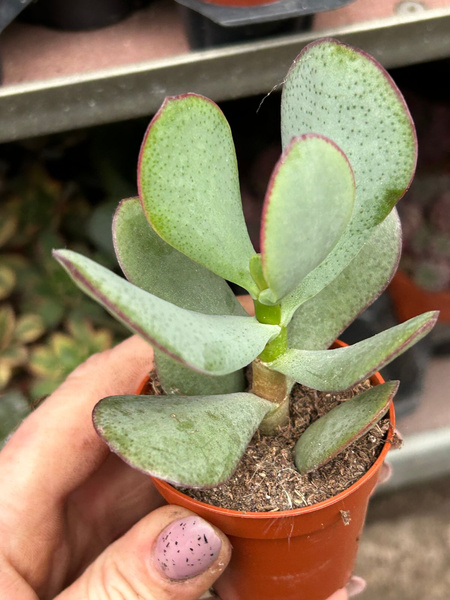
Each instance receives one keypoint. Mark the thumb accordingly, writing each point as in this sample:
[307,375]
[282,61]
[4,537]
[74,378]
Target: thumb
[170,554]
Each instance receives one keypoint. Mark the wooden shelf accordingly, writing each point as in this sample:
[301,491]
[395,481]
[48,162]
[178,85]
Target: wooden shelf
[57,81]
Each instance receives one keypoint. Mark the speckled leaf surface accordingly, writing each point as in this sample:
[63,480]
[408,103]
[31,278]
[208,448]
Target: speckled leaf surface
[189,187]
[192,441]
[319,321]
[153,265]
[214,344]
[344,424]
[309,203]
[344,94]
[342,368]
[176,378]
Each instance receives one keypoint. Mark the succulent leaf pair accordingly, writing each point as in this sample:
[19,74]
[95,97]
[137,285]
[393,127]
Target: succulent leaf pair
[330,243]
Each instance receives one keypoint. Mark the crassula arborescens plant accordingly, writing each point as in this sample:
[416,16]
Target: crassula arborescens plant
[330,242]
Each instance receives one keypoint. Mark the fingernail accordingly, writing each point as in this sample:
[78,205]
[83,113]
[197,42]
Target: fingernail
[385,473]
[355,586]
[186,548]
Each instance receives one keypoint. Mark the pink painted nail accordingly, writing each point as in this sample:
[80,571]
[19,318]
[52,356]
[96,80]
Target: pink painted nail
[186,548]
[355,586]
[385,473]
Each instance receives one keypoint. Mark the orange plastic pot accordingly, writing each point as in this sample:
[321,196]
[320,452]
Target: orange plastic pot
[410,299]
[301,554]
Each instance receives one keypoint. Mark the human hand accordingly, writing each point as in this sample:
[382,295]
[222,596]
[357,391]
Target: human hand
[77,523]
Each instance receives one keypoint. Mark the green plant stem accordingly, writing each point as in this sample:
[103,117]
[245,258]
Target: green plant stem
[266,382]
[275,348]
[270,315]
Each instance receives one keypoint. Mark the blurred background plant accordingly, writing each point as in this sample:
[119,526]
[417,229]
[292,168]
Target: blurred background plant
[47,327]
[425,217]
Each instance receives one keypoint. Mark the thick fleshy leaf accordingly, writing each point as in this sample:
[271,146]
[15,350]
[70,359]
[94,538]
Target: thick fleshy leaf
[344,94]
[14,356]
[29,328]
[7,281]
[342,368]
[308,205]
[176,378]
[318,322]
[13,409]
[153,265]
[7,325]
[193,441]
[212,344]
[344,424]
[189,187]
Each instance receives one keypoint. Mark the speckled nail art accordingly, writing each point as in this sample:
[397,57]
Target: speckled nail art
[186,548]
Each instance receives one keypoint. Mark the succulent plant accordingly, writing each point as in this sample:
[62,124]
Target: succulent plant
[426,239]
[52,361]
[330,243]
[40,303]
[15,335]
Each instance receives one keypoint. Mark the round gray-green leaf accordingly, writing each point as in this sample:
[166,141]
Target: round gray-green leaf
[176,378]
[192,441]
[319,321]
[342,93]
[189,187]
[344,424]
[308,205]
[155,266]
[342,368]
[214,344]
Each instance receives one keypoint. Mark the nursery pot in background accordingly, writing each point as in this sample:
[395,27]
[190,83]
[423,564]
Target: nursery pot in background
[217,22]
[410,299]
[80,15]
[301,554]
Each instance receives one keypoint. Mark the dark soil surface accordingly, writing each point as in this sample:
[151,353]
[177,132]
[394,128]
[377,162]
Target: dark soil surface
[266,478]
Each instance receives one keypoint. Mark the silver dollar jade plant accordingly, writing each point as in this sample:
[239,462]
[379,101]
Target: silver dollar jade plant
[330,243]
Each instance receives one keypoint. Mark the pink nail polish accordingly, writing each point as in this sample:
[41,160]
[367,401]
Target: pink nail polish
[385,473]
[355,586]
[186,548]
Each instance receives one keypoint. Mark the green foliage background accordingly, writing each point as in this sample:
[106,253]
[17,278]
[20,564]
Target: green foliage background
[47,326]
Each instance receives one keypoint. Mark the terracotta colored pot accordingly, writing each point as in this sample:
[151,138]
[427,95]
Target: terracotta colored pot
[410,300]
[301,554]
[364,10]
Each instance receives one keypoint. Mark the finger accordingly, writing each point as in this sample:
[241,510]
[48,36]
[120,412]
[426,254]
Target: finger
[59,438]
[170,554]
[109,503]
[384,476]
[12,585]
[247,303]
[355,586]
[385,473]
[339,595]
